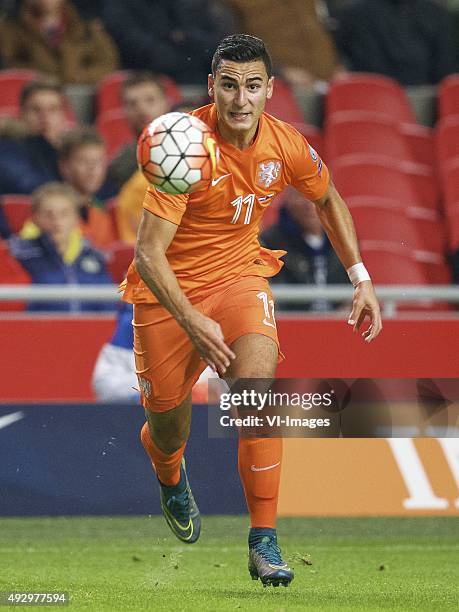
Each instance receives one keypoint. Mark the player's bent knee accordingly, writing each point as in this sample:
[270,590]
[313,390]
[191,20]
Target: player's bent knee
[170,430]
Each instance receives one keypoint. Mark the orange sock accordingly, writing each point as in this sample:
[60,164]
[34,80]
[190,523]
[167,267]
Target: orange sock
[259,463]
[167,467]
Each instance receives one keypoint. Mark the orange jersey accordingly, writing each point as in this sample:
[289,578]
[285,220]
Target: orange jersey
[217,233]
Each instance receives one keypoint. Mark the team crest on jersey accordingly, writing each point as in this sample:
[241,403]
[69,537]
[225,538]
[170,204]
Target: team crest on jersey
[145,386]
[268,172]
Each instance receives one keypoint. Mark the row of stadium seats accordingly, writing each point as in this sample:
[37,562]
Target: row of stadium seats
[382,162]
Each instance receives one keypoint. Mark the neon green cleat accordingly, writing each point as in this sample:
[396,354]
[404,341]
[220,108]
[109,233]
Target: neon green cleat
[180,509]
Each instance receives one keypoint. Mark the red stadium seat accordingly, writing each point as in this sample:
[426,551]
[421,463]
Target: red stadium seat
[447,142]
[364,175]
[420,142]
[11,273]
[450,184]
[388,266]
[386,225]
[120,256]
[17,210]
[369,92]
[115,130]
[11,83]
[351,132]
[448,96]
[108,96]
[453,227]
[283,104]
[429,224]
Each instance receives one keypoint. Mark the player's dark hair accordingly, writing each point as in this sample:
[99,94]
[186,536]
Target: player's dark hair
[241,48]
[32,87]
[139,77]
[79,137]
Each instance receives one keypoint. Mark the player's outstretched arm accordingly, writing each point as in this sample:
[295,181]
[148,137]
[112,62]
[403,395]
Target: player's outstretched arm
[337,222]
[153,239]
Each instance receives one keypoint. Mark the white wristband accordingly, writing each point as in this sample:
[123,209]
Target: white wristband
[358,273]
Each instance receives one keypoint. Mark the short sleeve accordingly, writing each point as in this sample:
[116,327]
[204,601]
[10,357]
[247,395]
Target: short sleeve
[169,207]
[308,174]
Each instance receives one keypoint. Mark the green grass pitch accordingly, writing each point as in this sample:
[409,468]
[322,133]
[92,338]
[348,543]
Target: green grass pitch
[136,564]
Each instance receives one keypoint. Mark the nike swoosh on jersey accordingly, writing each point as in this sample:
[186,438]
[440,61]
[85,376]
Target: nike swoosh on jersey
[220,178]
[262,469]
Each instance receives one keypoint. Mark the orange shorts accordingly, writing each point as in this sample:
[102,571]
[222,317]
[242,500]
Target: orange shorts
[167,364]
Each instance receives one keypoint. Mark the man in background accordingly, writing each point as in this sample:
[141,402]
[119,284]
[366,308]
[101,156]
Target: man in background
[143,98]
[310,258]
[28,147]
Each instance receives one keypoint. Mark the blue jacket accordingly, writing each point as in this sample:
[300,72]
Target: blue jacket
[41,260]
[26,164]
[123,335]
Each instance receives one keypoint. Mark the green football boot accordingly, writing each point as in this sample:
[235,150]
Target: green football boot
[180,509]
[265,560]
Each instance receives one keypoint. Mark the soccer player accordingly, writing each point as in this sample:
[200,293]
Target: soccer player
[200,290]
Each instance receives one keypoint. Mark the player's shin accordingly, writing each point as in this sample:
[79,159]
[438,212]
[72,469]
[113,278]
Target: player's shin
[259,463]
[167,467]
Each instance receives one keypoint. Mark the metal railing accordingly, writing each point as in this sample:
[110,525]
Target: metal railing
[390,296]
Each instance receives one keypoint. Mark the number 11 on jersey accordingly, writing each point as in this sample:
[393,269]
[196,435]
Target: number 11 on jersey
[238,202]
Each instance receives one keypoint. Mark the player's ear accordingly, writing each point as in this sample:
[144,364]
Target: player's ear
[269,88]
[210,86]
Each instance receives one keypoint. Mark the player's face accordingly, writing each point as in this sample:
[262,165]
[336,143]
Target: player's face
[143,103]
[57,216]
[86,168]
[43,114]
[240,90]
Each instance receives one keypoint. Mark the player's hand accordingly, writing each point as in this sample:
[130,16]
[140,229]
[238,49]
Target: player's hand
[207,337]
[365,303]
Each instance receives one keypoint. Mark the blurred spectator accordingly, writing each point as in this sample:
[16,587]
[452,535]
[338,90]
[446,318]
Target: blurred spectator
[129,207]
[310,258]
[59,254]
[49,36]
[83,165]
[143,99]
[174,38]
[28,147]
[299,44]
[114,378]
[408,40]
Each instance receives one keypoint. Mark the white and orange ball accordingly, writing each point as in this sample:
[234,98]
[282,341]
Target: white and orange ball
[177,153]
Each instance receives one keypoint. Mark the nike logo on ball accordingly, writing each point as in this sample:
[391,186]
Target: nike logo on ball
[262,469]
[220,178]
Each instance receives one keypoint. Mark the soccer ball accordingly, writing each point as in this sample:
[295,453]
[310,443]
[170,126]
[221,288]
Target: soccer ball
[177,153]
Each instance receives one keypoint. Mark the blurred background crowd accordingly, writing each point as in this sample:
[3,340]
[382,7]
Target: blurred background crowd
[370,83]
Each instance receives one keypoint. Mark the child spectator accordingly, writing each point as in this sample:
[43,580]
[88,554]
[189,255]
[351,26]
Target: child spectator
[59,254]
